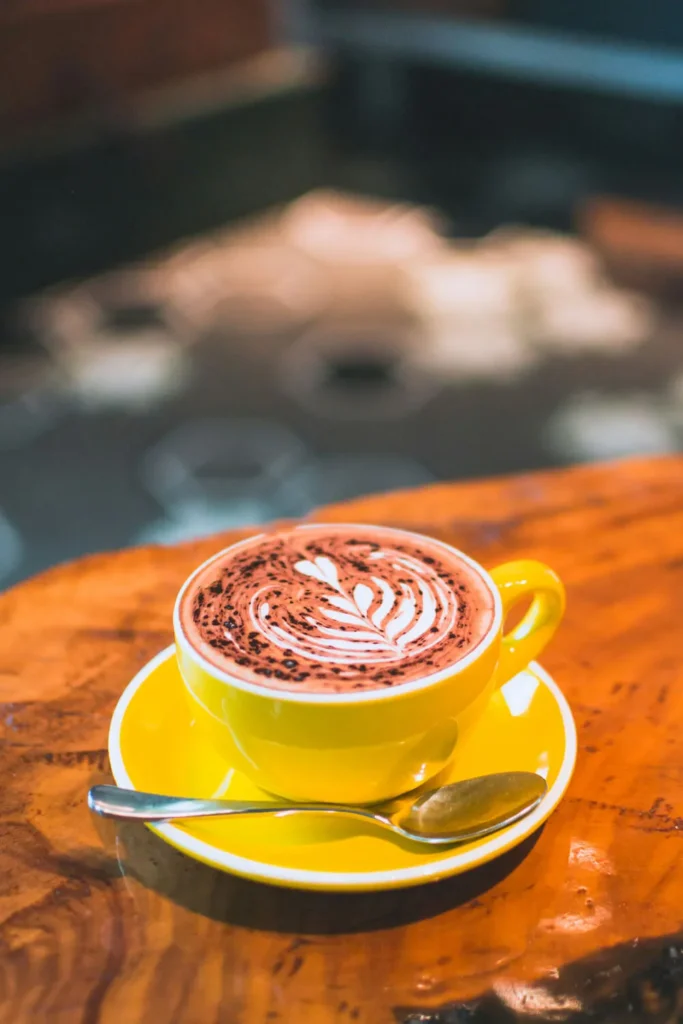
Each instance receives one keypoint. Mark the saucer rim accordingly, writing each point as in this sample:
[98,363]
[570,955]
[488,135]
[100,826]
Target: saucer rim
[303,878]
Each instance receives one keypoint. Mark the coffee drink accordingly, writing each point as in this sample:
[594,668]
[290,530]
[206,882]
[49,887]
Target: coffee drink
[336,609]
[345,664]
[333,609]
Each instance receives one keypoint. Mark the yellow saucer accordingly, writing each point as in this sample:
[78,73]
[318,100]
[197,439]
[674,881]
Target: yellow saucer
[154,745]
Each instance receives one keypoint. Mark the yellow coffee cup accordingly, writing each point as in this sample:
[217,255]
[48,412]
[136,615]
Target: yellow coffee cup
[371,745]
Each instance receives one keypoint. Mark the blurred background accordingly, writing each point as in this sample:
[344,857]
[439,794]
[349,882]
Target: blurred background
[262,256]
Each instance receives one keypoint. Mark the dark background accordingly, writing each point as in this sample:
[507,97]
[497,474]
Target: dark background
[132,128]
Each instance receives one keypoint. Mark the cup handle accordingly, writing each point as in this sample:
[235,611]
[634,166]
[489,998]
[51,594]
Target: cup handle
[515,581]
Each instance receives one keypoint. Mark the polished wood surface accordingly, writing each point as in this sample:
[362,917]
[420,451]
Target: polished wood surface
[101,923]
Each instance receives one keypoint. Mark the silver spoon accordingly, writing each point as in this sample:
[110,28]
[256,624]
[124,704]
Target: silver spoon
[456,813]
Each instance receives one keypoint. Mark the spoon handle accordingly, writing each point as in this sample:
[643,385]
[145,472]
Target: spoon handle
[131,805]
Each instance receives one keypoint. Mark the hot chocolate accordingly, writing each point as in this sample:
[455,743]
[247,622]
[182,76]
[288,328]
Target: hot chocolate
[336,609]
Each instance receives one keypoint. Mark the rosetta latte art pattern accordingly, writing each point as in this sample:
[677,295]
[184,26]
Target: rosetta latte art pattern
[372,621]
[336,608]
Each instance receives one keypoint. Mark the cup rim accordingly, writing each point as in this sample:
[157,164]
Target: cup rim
[338,699]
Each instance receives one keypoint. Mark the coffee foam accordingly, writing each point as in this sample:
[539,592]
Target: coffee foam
[336,609]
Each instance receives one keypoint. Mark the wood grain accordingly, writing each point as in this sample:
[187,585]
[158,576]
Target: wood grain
[106,924]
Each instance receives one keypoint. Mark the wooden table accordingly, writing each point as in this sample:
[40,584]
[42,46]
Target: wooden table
[107,924]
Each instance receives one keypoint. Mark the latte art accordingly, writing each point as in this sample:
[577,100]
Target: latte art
[336,608]
[375,621]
